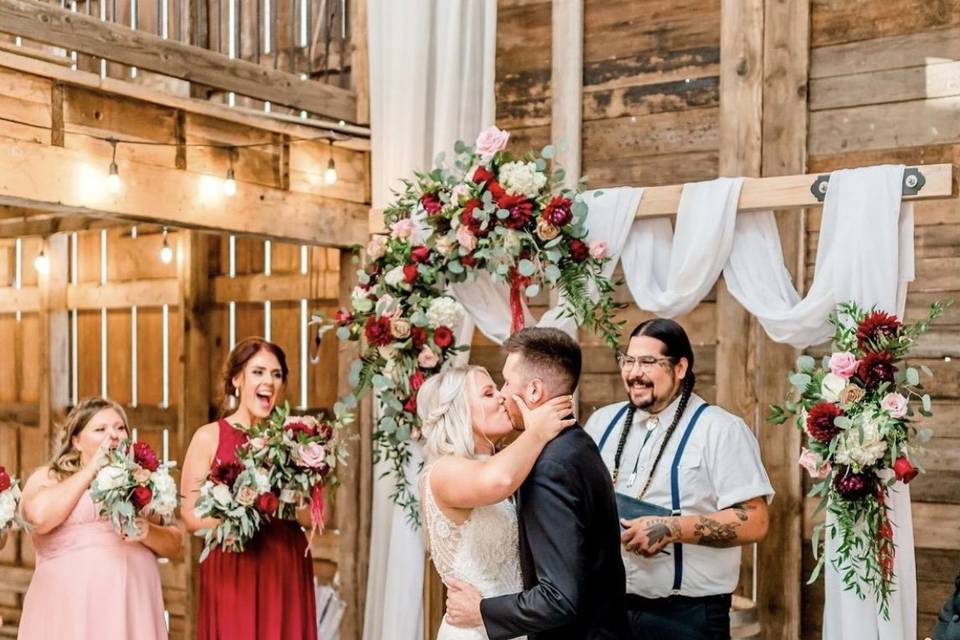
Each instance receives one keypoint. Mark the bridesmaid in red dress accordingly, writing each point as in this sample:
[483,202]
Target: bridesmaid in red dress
[266,592]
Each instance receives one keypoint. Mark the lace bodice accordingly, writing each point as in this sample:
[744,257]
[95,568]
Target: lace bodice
[483,551]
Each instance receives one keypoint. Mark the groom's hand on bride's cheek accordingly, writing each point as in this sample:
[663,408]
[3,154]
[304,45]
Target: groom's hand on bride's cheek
[463,604]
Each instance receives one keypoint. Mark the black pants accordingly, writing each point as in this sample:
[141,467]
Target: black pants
[948,622]
[679,618]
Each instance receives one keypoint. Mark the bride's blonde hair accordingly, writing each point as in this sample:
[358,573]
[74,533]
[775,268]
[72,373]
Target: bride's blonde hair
[443,406]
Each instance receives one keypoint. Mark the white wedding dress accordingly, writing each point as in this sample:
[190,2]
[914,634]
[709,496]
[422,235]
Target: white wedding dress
[483,551]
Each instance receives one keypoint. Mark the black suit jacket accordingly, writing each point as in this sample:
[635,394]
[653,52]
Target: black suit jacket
[573,575]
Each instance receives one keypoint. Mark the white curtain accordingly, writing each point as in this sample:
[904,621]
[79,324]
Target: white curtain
[431,83]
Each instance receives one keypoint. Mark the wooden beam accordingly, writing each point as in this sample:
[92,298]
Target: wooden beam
[54,339]
[123,295]
[259,287]
[566,80]
[357,137]
[360,59]
[67,181]
[50,24]
[19,414]
[25,300]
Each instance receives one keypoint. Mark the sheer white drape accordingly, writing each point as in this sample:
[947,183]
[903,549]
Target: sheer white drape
[431,83]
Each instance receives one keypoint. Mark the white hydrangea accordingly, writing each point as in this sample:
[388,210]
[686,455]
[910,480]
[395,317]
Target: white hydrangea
[8,508]
[261,480]
[111,477]
[394,277]
[165,493]
[851,451]
[445,311]
[522,179]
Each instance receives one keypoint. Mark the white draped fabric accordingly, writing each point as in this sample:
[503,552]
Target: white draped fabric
[431,83]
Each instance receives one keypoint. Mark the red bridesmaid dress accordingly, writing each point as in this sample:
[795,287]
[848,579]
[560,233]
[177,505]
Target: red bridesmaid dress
[264,593]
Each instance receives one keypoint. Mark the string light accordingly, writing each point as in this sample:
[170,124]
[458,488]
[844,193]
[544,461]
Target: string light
[41,263]
[166,253]
[113,178]
[230,184]
[330,175]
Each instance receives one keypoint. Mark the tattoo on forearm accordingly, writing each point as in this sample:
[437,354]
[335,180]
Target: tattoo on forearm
[740,509]
[661,529]
[713,533]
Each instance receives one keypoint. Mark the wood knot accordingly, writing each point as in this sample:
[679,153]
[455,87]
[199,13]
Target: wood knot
[742,67]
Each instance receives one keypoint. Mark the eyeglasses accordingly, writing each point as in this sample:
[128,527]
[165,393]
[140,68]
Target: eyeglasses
[647,363]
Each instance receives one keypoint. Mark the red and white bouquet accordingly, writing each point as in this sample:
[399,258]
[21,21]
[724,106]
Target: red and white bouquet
[9,502]
[857,409]
[134,483]
[240,497]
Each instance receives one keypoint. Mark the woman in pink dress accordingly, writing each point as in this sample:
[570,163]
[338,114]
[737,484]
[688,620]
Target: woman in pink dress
[265,592]
[90,583]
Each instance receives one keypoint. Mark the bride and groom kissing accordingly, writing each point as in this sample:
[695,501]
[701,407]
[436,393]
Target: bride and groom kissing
[548,562]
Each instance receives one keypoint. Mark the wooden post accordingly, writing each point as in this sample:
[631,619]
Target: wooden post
[354,499]
[360,60]
[566,79]
[193,394]
[741,104]
[786,55]
[54,339]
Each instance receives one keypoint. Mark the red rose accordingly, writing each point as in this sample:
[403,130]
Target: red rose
[343,318]
[579,251]
[521,211]
[442,337]
[416,380]
[468,260]
[431,203]
[904,470]
[225,472]
[144,456]
[410,273]
[377,331]
[410,406]
[420,253]
[820,421]
[875,368]
[5,481]
[482,174]
[558,212]
[325,431]
[419,336]
[295,428]
[266,503]
[877,326]
[141,496]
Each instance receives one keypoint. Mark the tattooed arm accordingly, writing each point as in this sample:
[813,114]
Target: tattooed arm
[738,525]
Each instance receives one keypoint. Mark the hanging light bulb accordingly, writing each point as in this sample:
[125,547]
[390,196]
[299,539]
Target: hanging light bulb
[166,253]
[330,175]
[41,263]
[113,178]
[230,183]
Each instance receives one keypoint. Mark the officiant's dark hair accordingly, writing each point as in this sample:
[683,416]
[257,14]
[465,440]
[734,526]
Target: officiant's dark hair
[549,351]
[677,344]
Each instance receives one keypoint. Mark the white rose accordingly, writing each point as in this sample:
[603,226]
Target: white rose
[221,495]
[522,179]
[395,277]
[386,305]
[377,247]
[262,481]
[831,387]
[110,477]
[444,245]
[445,311]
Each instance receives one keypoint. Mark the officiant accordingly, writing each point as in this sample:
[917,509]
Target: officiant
[691,489]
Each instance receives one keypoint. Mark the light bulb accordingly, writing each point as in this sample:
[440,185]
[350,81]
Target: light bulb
[230,184]
[41,263]
[330,175]
[166,253]
[113,180]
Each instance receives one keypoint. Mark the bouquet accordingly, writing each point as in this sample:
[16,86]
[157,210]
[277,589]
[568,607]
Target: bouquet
[9,502]
[238,495]
[857,409]
[493,214]
[300,454]
[134,483]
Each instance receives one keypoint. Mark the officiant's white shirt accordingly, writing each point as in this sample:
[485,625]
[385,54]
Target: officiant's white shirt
[720,467]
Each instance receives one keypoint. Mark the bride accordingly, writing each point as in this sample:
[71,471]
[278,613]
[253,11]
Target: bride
[471,525]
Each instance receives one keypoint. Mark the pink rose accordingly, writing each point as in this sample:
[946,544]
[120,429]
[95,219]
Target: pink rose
[843,364]
[490,141]
[894,404]
[141,475]
[427,358]
[815,466]
[246,495]
[466,239]
[598,250]
[258,443]
[377,247]
[459,192]
[403,228]
[311,455]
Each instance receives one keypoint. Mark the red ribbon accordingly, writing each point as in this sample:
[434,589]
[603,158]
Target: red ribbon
[316,513]
[517,284]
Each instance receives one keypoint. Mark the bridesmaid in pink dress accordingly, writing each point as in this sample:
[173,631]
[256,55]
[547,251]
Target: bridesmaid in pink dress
[90,583]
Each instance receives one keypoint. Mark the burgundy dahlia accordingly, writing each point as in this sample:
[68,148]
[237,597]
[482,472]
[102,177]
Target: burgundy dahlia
[145,456]
[558,212]
[419,335]
[471,222]
[579,250]
[226,472]
[377,331]
[876,326]
[853,486]
[431,203]
[820,421]
[521,211]
[875,368]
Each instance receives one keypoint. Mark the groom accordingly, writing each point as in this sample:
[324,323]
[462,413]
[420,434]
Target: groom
[573,576]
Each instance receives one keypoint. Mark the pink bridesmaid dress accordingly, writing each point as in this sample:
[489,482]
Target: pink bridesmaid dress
[89,584]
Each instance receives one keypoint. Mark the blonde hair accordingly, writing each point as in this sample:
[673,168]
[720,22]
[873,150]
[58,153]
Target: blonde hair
[66,461]
[443,406]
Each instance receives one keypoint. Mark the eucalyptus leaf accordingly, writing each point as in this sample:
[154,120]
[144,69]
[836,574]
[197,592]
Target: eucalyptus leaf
[927,404]
[540,164]
[548,152]
[842,422]
[924,435]
[455,267]
[388,425]
[552,272]
[503,214]
[381,382]
[363,305]
[419,319]
[913,377]
[805,364]
[533,290]
[526,268]
[800,380]
[343,333]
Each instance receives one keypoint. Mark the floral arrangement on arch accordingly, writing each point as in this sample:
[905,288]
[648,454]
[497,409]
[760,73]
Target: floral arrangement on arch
[9,502]
[857,409]
[490,212]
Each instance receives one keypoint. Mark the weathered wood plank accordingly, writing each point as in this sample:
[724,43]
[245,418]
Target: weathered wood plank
[841,21]
[880,54]
[259,287]
[940,80]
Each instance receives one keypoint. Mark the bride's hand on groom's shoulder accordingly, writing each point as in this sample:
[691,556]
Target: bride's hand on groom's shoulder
[463,604]
[549,419]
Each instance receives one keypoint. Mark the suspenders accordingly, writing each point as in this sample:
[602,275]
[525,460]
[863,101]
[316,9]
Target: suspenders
[674,481]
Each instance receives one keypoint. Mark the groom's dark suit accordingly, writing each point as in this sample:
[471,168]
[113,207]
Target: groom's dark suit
[573,575]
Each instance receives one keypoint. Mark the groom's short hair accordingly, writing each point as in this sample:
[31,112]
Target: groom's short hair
[552,354]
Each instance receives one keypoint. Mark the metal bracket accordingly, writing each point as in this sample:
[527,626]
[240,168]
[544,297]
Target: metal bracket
[913,181]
